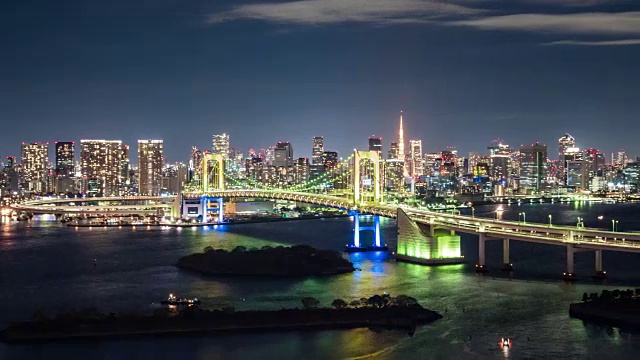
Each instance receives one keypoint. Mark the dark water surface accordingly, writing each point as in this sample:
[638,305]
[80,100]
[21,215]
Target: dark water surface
[44,264]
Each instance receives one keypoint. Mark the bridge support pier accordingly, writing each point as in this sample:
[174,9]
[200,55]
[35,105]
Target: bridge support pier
[569,275]
[599,274]
[506,265]
[481,266]
[356,246]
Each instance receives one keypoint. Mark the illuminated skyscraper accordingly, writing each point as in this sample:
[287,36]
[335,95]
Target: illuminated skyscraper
[533,166]
[101,166]
[417,166]
[302,170]
[150,164]
[317,150]
[565,142]
[220,145]
[375,144]
[65,159]
[35,158]
[393,151]
[329,160]
[11,162]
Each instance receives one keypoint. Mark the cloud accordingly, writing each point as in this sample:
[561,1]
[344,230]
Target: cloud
[623,42]
[576,3]
[318,12]
[578,23]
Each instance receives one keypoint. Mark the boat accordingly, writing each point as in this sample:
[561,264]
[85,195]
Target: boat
[505,343]
[173,300]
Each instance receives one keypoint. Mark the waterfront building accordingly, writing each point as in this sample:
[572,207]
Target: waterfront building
[533,167]
[220,145]
[194,169]
[150,164]
[174,178]
[577,174]
[65,158]
[101,164]
[317,150]
[34,165]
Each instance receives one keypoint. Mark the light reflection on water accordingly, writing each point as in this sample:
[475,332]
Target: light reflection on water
[43,264]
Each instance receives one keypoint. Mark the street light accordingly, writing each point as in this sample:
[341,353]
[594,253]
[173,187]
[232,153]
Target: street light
[473,212]
[613,224]
[524,217]
[550,220]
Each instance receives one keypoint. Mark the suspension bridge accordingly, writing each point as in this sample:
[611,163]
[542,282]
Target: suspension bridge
[356,185]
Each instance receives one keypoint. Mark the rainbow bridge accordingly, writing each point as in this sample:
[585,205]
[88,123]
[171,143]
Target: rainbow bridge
[420,231]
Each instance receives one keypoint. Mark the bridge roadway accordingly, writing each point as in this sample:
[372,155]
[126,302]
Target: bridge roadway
[53,206]
[585,238]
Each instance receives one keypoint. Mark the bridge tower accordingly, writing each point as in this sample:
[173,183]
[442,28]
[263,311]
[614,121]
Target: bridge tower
[212,170]
[373,181]
[212,166]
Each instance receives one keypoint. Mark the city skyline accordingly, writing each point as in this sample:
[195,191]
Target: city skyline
[463,72]
[307,151]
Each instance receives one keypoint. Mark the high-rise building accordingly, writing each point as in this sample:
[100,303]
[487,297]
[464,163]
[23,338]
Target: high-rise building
[101,166]
[500,156]
[11,162]
[150,163]
[65,159]
[533,166]
[375,144]
[283,154]
[393,177]
[125,163]
[302,170]
[220,145]
[329,160]
[565,142]
[416,165]
[317,150]
[577,174]
[394,151]
[35,159]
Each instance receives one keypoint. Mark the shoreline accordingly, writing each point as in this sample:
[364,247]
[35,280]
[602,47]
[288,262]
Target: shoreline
[607,316]
[280,261]
[232,222]
[219,322]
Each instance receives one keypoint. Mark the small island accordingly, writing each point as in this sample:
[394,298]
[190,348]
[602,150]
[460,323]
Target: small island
[377,312]
[299,260]
[620,308]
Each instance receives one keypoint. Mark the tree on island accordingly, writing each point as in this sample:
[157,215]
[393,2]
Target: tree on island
[404,300]
[239,248]
[339,304]
[376,301]
[310,302]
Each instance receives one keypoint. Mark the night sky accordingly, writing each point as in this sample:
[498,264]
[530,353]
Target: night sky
[465,72]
